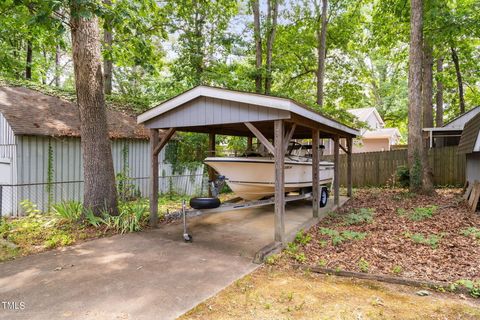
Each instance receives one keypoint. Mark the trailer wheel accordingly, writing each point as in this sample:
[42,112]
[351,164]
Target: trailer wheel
[323,197]
[204,203]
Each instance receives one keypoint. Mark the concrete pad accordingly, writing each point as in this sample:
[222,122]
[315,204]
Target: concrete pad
[146,275]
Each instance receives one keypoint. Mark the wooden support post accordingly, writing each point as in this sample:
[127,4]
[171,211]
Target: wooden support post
[289,136]
[154,137]
[336,176]
[315,173]
[249,143]
[211,153]
[349,165]
[261,137]
[279,154]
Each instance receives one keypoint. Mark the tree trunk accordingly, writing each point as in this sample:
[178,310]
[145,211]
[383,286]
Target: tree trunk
[257,34]
[415,146]
[321,51]
[427,102]
[427,85]
[439,95]
[28,65]
[459,80]
[107,61]
[57,66]
[272,16]
[100,193]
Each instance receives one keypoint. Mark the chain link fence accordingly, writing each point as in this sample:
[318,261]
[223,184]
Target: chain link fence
[44,195]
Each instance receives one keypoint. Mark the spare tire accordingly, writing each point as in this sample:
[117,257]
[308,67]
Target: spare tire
[204,203]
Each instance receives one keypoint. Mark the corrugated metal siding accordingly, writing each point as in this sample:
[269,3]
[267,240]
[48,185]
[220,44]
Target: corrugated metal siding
[7,139]
[473,167]
[67,177]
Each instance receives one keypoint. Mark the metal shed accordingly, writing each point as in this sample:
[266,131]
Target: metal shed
[40,152]
[213,110]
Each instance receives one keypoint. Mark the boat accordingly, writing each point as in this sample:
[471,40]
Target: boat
[252,176]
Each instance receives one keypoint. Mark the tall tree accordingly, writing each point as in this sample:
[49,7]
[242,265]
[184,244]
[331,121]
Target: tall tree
[439,94]
[99,180]
[427,84]
[29,61]
[456,63]
[415,141]
[322,49]
[272,17]
[107,60]
[257,35]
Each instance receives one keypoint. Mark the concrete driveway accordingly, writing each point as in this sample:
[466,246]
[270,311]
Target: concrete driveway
[146,275]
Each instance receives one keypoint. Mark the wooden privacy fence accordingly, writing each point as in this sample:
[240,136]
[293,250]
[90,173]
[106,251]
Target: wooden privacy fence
[380,168]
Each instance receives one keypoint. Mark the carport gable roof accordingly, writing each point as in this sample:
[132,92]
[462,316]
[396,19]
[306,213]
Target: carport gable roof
[270,107]
[470,140]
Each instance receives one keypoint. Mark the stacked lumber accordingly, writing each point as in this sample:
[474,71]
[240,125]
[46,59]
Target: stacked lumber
[472,195]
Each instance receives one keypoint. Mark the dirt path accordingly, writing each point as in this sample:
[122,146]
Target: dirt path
[280,293]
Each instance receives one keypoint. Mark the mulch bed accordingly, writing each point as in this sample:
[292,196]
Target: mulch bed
[388,247]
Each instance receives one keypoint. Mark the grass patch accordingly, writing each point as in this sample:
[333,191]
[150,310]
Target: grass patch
[360,216]
[339,237]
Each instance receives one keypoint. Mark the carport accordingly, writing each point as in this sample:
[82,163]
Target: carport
[272,120]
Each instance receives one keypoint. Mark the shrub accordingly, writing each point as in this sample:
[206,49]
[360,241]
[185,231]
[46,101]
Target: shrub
[364,215]
[397,269]
[68,210]
[473,287]
[403,176]
[59,239]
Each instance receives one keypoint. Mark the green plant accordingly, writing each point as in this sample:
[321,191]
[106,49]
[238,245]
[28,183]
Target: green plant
[363,215]
[59,239]
[338,238]
[403,176]
[322,263]
[91,219]
[363,265]
[292,248]
[473,287]
[401,212]
[29,207]
[68,210]
[432,240]
[302,237]
[422,213]
[471,231]
[272,259]
[130,219]
[397,269]
[300,257]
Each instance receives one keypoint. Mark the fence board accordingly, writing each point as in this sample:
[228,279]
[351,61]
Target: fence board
[379,168]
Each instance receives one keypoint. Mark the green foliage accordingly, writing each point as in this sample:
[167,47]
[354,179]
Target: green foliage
[433,240]
[471,232]
[302,237]
[272,259]
[28,207]
[69,211]
[363,265]
[403,176]
[59,239]
[422,213]
[473,287]
[339,237]
[397,269]
[360,216]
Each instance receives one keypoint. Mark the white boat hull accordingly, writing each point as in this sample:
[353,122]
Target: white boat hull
[254,178]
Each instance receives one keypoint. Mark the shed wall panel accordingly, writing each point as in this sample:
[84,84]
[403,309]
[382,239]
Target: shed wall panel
[472,170]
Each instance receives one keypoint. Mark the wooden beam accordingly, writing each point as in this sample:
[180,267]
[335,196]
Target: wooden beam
[343,148]
[211,153]
[315,173]
[289,136]
[159,146]
[261,137]
[349,166]
[154,137]
[279,155]
[336,176]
